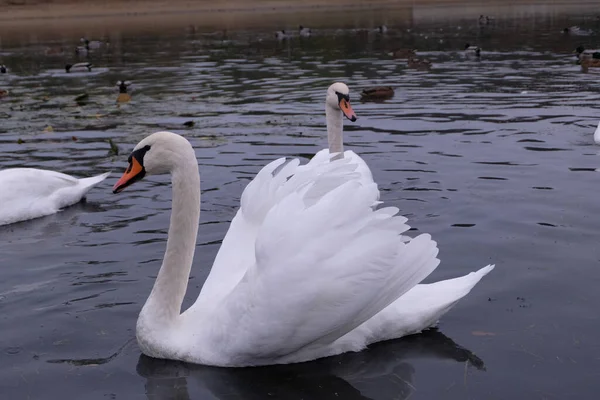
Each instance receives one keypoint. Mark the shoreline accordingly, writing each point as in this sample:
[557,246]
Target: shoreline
[65,18]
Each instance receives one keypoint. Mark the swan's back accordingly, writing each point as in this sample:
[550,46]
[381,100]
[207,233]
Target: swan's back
[27,193]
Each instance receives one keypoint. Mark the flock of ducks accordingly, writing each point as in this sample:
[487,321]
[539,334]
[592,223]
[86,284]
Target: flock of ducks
[79,67]
[262,302]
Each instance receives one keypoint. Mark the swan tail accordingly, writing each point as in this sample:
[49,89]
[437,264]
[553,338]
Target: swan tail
[419,309]
[87,183]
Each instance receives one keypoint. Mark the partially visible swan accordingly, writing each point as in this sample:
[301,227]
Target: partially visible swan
[27,193]
[597,135]
[337,106]
[316,271]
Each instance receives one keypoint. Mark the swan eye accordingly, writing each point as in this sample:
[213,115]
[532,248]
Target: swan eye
[342,97]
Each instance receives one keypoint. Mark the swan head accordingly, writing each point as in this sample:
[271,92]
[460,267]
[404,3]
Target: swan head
[158,153]
[338,98]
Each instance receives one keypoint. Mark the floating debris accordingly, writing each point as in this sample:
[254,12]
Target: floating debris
[49,128]
[20,141]
[189,124]
[114,149]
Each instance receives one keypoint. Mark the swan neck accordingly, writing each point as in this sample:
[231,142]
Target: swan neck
[335,126]
[164,303]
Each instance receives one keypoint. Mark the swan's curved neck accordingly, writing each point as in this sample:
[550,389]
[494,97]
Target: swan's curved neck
[164,303]
[335,126]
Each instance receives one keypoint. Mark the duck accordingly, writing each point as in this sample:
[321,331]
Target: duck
[91,44]
[281,35]
[28,193]
[82,50]
[377,93]
[402,53]
[303,31]
[418,63]
[3,93]
[79,67]
[54,51]
[583,53]
[262,302]
[577,31]
[476,50]
[3,69]
[123,97]
[485,19]
[588,63]
[381,29]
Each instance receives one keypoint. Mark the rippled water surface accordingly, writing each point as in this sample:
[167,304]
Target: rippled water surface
[493,157]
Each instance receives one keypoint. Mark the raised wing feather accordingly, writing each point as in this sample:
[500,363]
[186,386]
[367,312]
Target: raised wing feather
[324,265]
[273,182]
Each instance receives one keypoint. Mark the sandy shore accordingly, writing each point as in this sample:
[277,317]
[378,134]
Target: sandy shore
[71,17]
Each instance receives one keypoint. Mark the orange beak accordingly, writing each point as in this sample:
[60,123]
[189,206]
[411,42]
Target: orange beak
[134,173]
[347,110]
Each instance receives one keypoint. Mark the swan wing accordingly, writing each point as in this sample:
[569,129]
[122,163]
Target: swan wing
[273,182]
[325,262]
[323,156]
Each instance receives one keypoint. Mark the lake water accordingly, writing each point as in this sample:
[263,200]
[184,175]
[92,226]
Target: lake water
[493,157]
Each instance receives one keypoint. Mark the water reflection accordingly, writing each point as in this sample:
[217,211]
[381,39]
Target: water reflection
[383,371]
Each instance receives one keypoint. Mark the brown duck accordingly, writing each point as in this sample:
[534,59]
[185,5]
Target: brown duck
[402,53]
[377,93]
[588,63]
[124,97]
[418,63]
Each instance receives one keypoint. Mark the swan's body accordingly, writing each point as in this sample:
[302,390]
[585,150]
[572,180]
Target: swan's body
[308,268]
[27,193]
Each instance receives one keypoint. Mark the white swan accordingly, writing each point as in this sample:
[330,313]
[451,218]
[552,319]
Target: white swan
[314,271]
[27,193]
[597,134]
[337,106]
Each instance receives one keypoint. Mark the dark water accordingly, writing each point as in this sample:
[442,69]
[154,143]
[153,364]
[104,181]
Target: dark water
[495,158]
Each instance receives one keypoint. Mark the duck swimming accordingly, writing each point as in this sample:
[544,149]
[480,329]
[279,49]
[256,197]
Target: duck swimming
[303,31]
[79,67]
[123,97]
[476,50]
[3,69]
[281,35]
[377,93]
